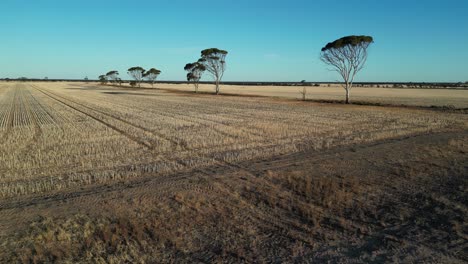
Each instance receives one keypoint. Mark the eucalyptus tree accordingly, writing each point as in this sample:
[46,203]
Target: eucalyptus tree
[112,76]
[214,61]
[137,73]
[347,56]
[194,73]
[151,75]
[103,79]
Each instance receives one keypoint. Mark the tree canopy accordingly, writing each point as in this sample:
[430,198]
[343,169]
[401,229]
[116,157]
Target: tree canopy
[195,71]
[348,41]
[151,75]
[137,73]
[103,79]
[213,52]
[112,75]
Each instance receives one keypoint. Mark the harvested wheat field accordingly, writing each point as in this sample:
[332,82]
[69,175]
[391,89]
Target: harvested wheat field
[92,173]
[450,98]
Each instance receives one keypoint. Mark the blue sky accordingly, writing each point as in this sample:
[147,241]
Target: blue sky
[267,40]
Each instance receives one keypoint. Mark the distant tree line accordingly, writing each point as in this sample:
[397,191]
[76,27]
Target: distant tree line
[346,56]
[403,85]
[137,73]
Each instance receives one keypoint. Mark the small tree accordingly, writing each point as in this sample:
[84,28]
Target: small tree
[347,56]
[214,61]
[103,79]
[151,75]
[137,74]
[86,79]
[304,90]
[195,71]
[112,76]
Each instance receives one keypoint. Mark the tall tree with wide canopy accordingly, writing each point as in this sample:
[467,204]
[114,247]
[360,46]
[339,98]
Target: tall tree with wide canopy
[194,73]
[151,75]
[214,61]
[347,56]
[112,75]
[136,73]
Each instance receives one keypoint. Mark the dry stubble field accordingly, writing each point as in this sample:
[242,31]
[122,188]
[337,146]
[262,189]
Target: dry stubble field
[93,173]
[453,98]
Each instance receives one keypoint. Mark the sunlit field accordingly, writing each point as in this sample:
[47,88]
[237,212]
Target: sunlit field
[181,176]
[58,136]
[451,98]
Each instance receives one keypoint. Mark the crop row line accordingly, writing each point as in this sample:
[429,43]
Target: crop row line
[132,138]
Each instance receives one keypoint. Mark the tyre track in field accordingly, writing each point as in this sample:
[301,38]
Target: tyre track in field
[170,184]
[217,161]
[182,144]
[30,113]
[205,121]
[165,187]
[176,116]
[202,121]
[136,139]
[46,118]
[14,203]
[122,132]
[146,130]
[187,116]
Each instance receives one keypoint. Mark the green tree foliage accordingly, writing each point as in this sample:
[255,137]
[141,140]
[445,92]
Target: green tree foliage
[214,61]
[112,76]
[103,79]
[347,56]
[194,73]
[137,73]
[151,75]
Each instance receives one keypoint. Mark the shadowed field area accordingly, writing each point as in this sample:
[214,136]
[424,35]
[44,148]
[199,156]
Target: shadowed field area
[100,173]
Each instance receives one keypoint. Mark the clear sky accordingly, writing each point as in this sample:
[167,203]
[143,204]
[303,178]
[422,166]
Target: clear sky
[267,40]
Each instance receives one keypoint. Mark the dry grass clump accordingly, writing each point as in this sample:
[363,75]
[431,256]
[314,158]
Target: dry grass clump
[333,193]
[85,239]
[181,226]
[312,198]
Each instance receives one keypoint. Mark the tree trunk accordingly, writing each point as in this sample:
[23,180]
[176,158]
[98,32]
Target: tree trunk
[217,87]
[347,94]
